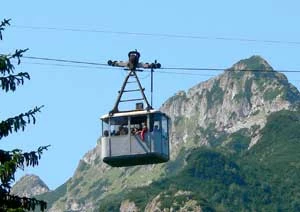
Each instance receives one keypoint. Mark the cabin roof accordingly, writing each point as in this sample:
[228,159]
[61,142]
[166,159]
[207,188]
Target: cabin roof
[131,113]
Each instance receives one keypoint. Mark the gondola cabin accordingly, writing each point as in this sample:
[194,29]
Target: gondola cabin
[135,138]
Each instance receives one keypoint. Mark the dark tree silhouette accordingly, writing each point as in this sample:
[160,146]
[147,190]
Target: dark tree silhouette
[10,161]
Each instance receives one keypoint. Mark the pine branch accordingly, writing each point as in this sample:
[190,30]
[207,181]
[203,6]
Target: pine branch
[10,161]
[18,54]
[3,23]
[12,81]
[18,122]
[8,201]
[5,64]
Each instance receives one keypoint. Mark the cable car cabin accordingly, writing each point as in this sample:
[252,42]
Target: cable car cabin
[135,138]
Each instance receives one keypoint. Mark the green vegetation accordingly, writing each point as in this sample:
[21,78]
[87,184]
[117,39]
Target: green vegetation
[233,116]
[83,166]
[245,92]
[291,93]
[248,91]
[236,76]
[173,167]
[277,155]
[96,189]
[261,79]
[238,97]
[254,127]
[280,142]
[178,120]
[209,131]
[256,112]
[271,93]
[53,196]
[239,141]
[215,95]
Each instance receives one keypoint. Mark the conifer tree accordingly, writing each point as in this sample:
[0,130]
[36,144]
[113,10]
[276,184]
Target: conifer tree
[11,161]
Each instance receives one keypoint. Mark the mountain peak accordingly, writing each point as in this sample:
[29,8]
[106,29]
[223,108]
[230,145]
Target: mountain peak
[29,186]
[254,62]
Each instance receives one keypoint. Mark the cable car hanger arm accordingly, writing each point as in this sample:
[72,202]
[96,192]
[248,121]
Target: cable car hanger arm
[131,65]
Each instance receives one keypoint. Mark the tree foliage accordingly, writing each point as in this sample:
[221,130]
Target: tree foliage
[10,161]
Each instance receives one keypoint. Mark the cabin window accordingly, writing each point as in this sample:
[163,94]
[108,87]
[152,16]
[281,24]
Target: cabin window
[118,126]
[164,134]
[136,123]
[155,124]
[105,129]
[164,123]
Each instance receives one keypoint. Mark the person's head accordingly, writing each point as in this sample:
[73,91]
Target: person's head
[105,133]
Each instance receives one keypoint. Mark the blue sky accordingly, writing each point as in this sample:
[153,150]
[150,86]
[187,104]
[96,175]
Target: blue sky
[75,98]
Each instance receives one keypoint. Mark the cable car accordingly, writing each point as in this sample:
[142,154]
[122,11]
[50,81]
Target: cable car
[137,136]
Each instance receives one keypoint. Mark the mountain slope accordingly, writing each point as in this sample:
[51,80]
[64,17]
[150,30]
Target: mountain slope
[214,165]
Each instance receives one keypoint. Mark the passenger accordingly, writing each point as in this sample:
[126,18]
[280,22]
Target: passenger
[119,132]
[143,131]
[140,127]
[113,133]
[123,130]
[136,130]
[155,128]
[133,130]
[126,130]
[105,133]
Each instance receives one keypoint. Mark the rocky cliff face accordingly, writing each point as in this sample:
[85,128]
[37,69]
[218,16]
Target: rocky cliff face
[232,101]
[29,186]
[236,101]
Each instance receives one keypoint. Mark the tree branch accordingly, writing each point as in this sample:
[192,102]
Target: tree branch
[10,161]
[12,81]
[5,64]
[18,54]
[8,201]
[18,122]
[3,23]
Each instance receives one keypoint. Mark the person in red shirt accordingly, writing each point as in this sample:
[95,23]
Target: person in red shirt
[144,131]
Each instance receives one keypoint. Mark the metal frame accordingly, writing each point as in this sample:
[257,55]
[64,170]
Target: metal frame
[141,89]
[131,66]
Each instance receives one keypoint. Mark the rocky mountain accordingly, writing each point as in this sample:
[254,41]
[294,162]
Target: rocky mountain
[29,186]
[231,101]
[234,141]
